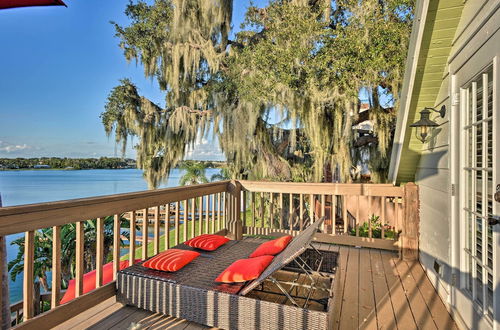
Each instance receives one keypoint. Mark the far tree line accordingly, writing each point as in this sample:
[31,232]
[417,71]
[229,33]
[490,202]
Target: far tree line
[81,163]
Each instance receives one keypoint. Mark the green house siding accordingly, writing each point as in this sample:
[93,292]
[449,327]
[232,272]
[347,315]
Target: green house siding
[440,26]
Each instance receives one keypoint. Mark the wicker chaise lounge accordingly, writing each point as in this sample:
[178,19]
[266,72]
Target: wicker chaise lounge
[192,294]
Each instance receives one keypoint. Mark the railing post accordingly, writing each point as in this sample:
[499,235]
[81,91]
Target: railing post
[411,222]
[4,286]
[235,225]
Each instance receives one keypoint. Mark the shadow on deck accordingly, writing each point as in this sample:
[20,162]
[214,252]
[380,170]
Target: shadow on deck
[376,291]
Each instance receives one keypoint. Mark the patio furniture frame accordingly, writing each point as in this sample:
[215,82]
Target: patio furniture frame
[192,294]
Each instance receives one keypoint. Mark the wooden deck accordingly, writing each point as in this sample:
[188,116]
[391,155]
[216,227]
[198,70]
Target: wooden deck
[377,291]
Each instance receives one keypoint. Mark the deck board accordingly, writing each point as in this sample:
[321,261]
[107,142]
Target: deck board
[375,290]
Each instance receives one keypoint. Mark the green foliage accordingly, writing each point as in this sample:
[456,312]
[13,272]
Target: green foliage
[302,60]
[43,250]
[364,229]
[194,173]
[63,163]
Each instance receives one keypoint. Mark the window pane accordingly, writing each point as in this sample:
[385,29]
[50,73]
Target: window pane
[489,295]
[479,145]
[479,283]
[490,92]
[479,238]
[479,98]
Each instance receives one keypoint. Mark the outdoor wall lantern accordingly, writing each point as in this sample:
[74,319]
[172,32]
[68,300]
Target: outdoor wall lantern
[425,125]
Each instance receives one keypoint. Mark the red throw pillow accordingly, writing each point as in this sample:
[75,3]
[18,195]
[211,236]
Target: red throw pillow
[207,242]
[272,248]
[244,269]
[89,280]
[171,260]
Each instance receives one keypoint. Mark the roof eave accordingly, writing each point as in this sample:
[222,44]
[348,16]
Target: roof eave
[416,37]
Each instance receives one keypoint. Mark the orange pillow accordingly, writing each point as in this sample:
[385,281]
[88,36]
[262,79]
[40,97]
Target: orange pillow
[244,270]
[89,280]
[207,242]
[171,260]
[272,248]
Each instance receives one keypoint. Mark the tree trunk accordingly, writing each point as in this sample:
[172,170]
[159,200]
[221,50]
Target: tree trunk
[4,287]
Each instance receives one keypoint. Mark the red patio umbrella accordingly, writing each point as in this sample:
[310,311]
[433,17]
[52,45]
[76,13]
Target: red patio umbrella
[28,3]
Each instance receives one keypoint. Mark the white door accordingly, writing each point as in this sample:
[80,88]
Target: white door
[478,289]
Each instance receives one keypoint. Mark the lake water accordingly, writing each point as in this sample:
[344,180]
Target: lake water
[36,186]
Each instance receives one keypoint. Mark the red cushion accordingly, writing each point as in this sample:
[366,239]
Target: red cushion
[207,242]
[272,248]
[89,280]
[171,260]
[244,269]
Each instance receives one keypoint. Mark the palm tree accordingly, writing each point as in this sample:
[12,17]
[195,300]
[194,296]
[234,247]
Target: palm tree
[43,250]
[222,175]
[195,173]
[43,257]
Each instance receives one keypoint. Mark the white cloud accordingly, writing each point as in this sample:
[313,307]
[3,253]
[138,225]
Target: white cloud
[204,149]
[7,147]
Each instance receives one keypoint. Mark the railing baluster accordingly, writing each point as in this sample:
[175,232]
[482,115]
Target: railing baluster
[145,234]
[333,214]
[281,210]
[301,210]
[357,216]
[244,197]
[218,211]
[212,208]
[186,217]
[28,276]
[99,258]
[344,213]
[116,244]
[167,226]
[200,215]
[156,229]
[290,215]
[79,259]
[382,220]
[132,239]
[323,205]
[56,266]
[207,213]
[193,217]
[176,223]
[311,208]
[369,216]
[271,210]
[262,210]
[253,213]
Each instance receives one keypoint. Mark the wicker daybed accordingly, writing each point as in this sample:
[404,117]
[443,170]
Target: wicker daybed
[192,294]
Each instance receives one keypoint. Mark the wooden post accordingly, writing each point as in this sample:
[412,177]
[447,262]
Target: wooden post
[4,286]
[116,244]
[411,223]
[79,259]
[235,225]
[28,276]
[56,266]
[132,239]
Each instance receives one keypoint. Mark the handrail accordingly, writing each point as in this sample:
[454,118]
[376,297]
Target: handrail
[361,189]
[16,219]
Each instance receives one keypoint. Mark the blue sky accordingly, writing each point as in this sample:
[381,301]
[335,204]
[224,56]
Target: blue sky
[57,67]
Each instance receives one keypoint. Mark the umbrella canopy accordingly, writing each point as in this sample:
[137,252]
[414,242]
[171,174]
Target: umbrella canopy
[28,3]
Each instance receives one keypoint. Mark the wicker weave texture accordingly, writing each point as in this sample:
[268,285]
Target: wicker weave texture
[212,308]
